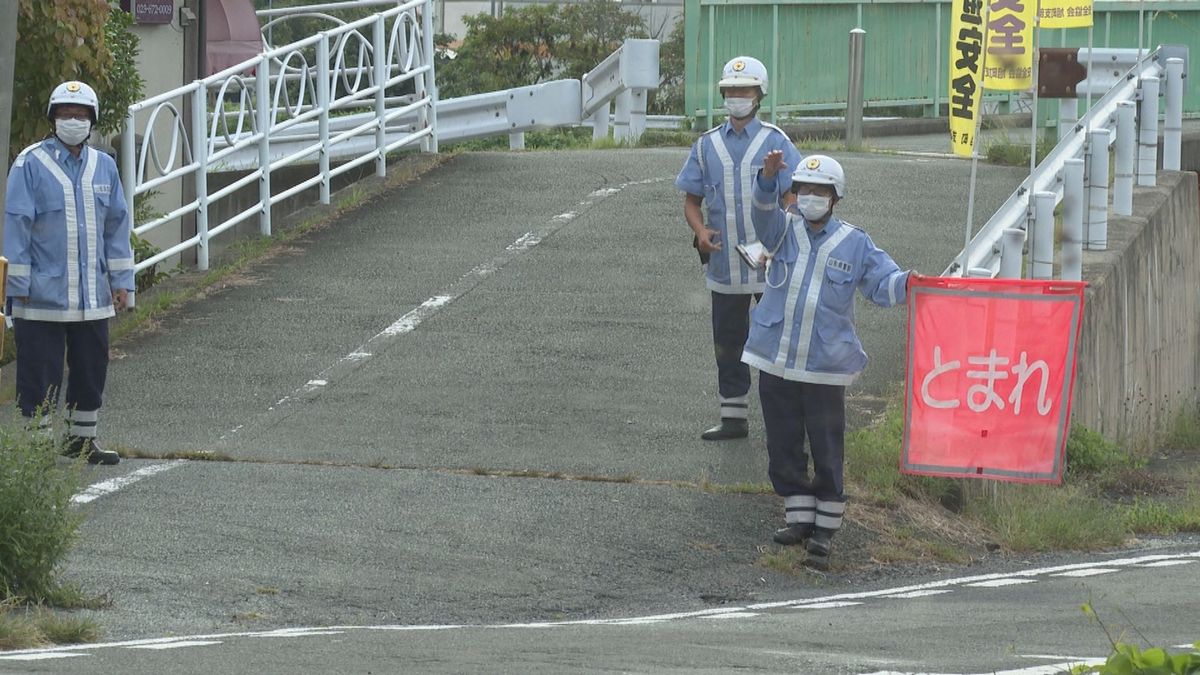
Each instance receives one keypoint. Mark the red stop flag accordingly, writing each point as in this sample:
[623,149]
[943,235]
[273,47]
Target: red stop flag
[991,368]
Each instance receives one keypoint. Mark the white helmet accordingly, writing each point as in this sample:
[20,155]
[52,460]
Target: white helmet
[74,92]
[744,71]
[821,170]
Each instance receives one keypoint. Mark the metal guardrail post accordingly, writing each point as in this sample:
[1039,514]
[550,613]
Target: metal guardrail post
[379,61]
[1068,114]
[429,115]
[1147,160]
[1042,253]
[1011,258]
[1122,202]
[516,140]
[262,114]
[129,173]
[1072,218]
[854,96]
[200,157]
[1096,228]
[1173,123]
[637,115]
[323,104]
[622,111]
[600,122]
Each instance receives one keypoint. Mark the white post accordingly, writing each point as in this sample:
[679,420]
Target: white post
[429,144]
[1068,114]
[1011,258]
[323,104]
[1173,124]
[266,120]
[128,174]
[637,116]
[621,119]
[1072,214]
[379,61]
[1147,161]
[1096,229]
[516,140]
[1126,152]
[1042,254]
[200,156]
[600,123]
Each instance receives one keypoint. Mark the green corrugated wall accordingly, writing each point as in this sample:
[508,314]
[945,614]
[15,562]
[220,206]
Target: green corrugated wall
[805,46]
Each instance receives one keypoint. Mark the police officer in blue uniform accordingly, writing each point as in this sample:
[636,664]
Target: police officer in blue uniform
[718,179]
[803,341]
[66,235]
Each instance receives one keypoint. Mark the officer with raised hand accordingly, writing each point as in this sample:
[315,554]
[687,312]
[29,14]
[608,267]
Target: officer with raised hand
[66,235]
[803,340]
[718,179]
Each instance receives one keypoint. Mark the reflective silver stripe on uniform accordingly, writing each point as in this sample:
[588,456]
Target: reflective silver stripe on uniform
[814,295]
[19,270]
[91,264]
[800,509]
[72,228]
[730,214]
[734,407]
[120,264]
[748,176]
[796,224]
[83,422]
[829,514]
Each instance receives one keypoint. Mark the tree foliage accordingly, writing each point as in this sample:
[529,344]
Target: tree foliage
[71,39]
[533,44]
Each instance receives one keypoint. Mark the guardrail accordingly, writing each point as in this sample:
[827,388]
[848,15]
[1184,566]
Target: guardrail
[295,105]
[1076,173]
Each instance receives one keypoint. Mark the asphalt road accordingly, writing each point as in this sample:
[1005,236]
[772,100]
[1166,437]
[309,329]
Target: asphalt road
[474,401]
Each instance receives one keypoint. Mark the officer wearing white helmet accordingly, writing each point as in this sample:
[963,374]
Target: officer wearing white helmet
[66,235]
[803,341]
[717,180]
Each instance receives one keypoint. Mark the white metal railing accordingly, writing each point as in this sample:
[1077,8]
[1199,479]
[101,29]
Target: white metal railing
[245,108]
[1076,171]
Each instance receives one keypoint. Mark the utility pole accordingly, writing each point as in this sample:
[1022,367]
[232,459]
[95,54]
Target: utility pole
[8,54]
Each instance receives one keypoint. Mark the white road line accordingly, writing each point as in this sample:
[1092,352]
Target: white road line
[40,657]
[1086,573]
[177,645]
[828,605]
[1167,563]
[919,594]
[997,583]
[733,615]
[97,490]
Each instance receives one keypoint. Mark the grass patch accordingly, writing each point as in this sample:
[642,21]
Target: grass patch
[1165,517]
[1183,433]
[1043,518]
[66,630]
[1016,153]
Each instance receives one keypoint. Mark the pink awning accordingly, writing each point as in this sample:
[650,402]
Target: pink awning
[233,34]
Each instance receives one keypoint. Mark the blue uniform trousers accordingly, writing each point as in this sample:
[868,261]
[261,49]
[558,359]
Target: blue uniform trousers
[731,326]
[40,349]
[792,412]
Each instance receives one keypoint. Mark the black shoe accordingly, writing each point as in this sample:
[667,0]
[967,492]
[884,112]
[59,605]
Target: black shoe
[729,428]
[793,534]
[818,548]
[78,446]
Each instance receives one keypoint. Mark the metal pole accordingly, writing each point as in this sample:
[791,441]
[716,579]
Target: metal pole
[637,115]
[323,105]
[1147,161]
[1173,124]
[600,122]
[430,79]
[200,179]
[1033,130]
[1068,114]
[1096,229]
[623,107]
[265,119]
[1126,152]
[1042,253]
[516,140]
[379,61]
[8,55]
[1011,243]
[854,98]
[1072,214]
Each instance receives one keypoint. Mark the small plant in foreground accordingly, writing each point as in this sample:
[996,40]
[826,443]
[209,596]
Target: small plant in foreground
[1128,659]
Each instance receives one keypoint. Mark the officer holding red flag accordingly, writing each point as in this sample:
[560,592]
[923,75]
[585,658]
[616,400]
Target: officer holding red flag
[803,341]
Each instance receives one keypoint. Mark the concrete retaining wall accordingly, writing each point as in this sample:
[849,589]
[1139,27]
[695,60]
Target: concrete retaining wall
[1139,353]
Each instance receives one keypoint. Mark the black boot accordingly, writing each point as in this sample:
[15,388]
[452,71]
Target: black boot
[818,548]
[729,428]
[793,534]
[78,446]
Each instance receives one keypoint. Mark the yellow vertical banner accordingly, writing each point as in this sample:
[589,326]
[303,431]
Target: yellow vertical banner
[1065,14]
[1010,45]
[966,73]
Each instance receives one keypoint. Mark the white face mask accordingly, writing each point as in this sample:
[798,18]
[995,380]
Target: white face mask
[72,132]
[739,107]
[813,207]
